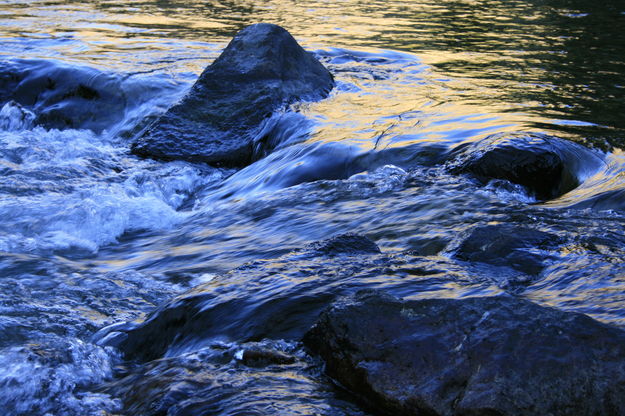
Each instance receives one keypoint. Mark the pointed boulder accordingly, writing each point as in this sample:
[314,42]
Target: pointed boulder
[262,70]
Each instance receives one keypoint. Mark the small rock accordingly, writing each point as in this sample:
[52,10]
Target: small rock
[546,166]
[509,246]
[261,357]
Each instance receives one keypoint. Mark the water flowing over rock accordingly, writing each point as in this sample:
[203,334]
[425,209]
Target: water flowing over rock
[260,71]
[349,243]
[266,299]
[15,117]
[608,200]
[63,96]
[546,166]
[473,356]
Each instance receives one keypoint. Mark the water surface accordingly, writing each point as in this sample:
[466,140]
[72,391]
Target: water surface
[91,236]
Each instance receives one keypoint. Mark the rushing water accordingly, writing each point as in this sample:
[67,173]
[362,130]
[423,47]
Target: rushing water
[91,236]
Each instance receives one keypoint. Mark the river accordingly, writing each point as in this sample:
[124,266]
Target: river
[92,236]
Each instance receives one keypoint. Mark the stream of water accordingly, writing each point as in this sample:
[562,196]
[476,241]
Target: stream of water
[92,236]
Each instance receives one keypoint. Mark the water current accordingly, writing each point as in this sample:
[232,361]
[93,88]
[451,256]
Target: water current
[92,237]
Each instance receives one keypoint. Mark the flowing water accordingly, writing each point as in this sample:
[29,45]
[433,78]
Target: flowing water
[91,236]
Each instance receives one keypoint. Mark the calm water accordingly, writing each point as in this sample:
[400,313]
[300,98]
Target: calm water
[91,236]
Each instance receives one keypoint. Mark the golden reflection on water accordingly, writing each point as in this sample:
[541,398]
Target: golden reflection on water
[540,59]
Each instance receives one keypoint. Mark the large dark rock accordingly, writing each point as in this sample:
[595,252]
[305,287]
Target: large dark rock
[508,245]
[61,95]
[261,70]
[476,356]
[547,166]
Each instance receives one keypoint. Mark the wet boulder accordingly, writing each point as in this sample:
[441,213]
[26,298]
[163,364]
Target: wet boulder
[474,356]
[546,166]
[63,96]
[262,70]
[507,245]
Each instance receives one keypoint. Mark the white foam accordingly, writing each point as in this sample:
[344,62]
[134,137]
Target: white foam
[13,117]
[90,218]
[385,178]
[507,191]
[74,189]
[37,379]
[38,148]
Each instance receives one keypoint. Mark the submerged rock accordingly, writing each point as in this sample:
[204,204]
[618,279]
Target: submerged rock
[509,246]
[475,356]
[349,244]
[63,96]
[225,380]
[261,70]
[608,200]
[546,166]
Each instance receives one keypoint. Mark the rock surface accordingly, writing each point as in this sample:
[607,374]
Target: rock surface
[261,70]
[472,356]
[547,166]
[507,245]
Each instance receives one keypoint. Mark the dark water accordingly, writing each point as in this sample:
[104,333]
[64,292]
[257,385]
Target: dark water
[91,236]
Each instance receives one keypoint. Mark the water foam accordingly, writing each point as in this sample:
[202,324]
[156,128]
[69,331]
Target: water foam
[75,189]
[14,117]
[45,380]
